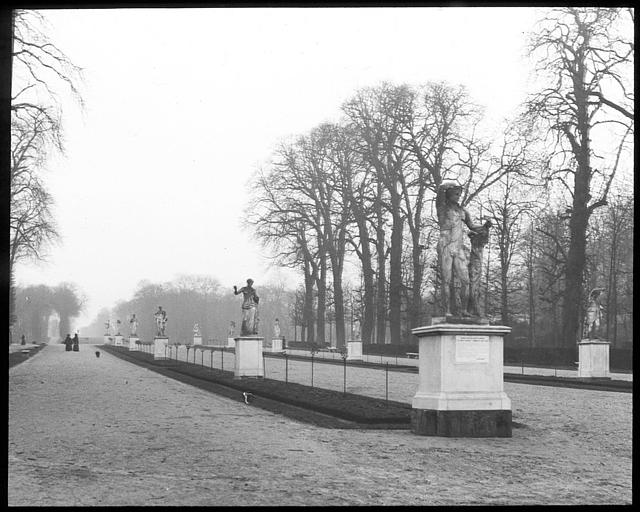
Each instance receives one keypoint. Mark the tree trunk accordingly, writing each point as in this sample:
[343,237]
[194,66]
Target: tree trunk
[395,277]
[381,307]
[322,301]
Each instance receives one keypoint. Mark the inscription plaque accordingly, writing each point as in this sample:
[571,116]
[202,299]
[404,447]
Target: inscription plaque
[472,349]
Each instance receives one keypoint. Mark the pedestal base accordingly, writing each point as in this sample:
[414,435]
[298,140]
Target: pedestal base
[276,345]
[231,342]
[160,345]
[248,360]
[133,340]
[593,359]
[461,382]
[197,340]
[119,340]
[354,351]
[426,422]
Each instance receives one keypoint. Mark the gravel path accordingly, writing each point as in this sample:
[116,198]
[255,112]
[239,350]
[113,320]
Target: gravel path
[100,431]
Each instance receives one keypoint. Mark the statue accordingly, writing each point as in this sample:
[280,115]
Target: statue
[276,329]
[356,330]
[478,241]
[133,326]
[232,328]
[452,253]
[107,327]
[593,315]
[250,301]
[196,329]
[161,321]
[118,322]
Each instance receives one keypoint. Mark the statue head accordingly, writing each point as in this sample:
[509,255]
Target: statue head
[249,282]
[452,190]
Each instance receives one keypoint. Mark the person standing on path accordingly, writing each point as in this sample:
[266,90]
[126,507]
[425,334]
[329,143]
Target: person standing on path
[76,343]
[68,343]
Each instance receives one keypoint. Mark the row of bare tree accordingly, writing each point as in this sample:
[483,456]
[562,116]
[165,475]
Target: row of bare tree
[362,188]
[36,130]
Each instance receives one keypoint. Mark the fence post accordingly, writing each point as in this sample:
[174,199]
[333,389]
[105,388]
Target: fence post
[286,368]
[311,369]
[222,369]
[344,378]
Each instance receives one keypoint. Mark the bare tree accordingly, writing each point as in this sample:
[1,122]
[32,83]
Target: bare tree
[583,59]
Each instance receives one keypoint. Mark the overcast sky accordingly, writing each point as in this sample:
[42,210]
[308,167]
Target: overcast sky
[182,106]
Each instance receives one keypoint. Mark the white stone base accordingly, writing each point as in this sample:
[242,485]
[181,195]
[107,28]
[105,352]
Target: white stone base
[461,368]
[276,345]
[132,343]
[248,360]
[354,351]
[160,344]
[593,359]
[119,340]
[197,340]
[231,342]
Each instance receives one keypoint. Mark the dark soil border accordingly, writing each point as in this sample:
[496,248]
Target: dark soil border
[28,351]
[323,407]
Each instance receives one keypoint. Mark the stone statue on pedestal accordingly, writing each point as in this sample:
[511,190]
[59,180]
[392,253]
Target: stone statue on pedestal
[133,326]
[107,328]
[118,322]
[196,329]
[250,301]
[452,253]
[357,335]
[232,328]
[161,321]
[276,329]
[593,315]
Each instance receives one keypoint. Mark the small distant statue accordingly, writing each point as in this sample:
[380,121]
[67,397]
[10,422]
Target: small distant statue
[276,329]
[452,252]
[133,325]
[196,329]
[118,322]
[161,321]
[478,239]
[23,341]
[107,328]
[68,343]
[593,315]
[250,301]
[76,343]
[356,330]
[232,328]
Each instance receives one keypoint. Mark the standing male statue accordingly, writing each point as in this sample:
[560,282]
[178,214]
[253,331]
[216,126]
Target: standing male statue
[161,321]
[196,329]
[107,327]
[593,315]
[232,328]
[454,261]
[250,301]
[276,329]
[118,322]
[133,326]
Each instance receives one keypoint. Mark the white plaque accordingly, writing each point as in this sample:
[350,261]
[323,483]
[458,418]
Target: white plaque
[472,349]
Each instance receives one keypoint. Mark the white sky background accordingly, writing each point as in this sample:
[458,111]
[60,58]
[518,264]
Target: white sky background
[183,105]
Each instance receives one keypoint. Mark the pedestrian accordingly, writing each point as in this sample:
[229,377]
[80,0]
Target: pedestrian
[23,340]
[76,343]
[68,343]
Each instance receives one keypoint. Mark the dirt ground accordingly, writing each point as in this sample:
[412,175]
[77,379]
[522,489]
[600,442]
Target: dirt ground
[88,431]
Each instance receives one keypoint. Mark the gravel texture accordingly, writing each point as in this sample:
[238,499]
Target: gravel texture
[88,431]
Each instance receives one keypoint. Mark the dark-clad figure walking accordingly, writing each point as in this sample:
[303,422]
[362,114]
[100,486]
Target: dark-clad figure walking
[67,343]
[76,343]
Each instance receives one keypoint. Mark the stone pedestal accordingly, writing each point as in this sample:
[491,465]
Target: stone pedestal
[119,340]
[461,382]
[107,339]
[231,342]
[160,344]
[276,345]
[197,340]
[133,340]
[593,359]
[354,351]
[248,360]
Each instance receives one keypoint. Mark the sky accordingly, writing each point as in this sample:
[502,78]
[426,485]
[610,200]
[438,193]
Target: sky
[183,105]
